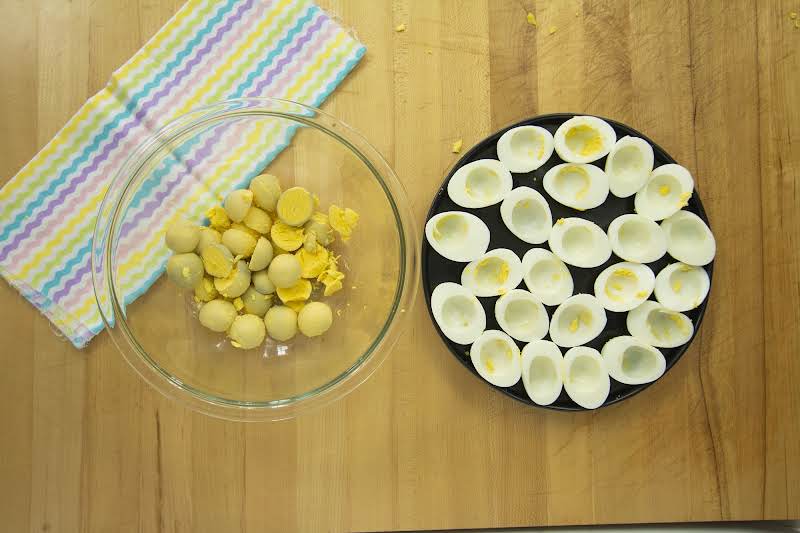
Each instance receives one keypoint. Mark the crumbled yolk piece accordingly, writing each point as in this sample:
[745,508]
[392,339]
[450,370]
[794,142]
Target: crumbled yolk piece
[663,190]
[456,148]
[683,200]
[677,286]
[295,306]
[532,19]
[616,286]
[205,290]
[676,319]
[287,237]
[218,218]
[592,141]
[586,181]
[793,15]
[624,273]
[552,30]
[312,263]
[490,366]
[641,294]
[331,277]
[400,28]
[573,326]
[685,268]
[238,303]
[500,274]
[299,292]
[560,221]
[555,277]
[342,220]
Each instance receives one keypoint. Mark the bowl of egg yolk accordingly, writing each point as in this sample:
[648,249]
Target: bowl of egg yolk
[190,174]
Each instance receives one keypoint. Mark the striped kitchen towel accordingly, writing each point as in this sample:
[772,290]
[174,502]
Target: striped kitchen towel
[211,50]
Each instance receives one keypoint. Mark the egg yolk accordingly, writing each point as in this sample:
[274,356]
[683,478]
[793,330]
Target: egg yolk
[677,286]
[624,273]
[684,199]
[298,292]
[312,264]
[287,237]
[218,218]
[238,303]
[663,190]
[493,269]
[641,294]
[295,306]
[295,206]
[587,137]
[331,277]
[343,220]
[560,222]
[573,326]
[490,366]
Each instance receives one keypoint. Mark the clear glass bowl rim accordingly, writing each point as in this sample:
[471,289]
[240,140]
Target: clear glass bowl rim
[169,385]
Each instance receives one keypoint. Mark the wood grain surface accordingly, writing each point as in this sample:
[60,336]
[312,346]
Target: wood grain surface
[87,446]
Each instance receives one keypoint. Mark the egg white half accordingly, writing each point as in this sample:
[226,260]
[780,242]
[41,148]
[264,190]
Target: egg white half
[623,286]
[628,166]
[681,287]
[542,371]
[667,190]
[689,239]
[579,242]
[580,186]
[585,377]
[584,139]
[637,239]
[481,183]
[521,315]
[546,276]
[633,362]
[577,321]
[457,236]
[525,148]
[458,313]
[526,214]
[496,357]
[495,273]
[657,326]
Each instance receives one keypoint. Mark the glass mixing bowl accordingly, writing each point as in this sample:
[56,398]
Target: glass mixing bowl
[188,166]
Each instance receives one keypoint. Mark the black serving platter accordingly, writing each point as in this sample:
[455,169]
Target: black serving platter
[436,269]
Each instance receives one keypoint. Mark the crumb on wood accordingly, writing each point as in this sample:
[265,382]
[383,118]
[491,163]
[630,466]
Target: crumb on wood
[532,19]
[457,146]
[400,27]
[552,30]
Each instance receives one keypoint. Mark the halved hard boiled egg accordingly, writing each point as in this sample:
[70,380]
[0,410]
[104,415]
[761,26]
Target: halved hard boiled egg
[521,315]
[681,287]
[457,236]
[579,242]
[633,362]
[624,286]
[689,239]
[656,325]
[637,239]
[578,320]
[585,377]
[496,357]
[628,166]
[584,139]
[668,189]
[546,276]
[458,313]
[542,367]
[577,185]
[496,272]
[525,148]
[481,183]
[526,214]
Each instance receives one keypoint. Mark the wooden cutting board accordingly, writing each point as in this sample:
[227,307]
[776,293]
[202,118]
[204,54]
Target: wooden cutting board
[87,446]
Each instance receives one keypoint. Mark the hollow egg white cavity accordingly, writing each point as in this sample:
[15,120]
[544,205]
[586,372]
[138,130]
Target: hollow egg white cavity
[578,320]
[689,239]
[637,239]
[496,357]
[633,362]
[576,185]
[525,148]
[526,214]
[624,286]
[584,139]
[458,313]
[656,325]
[628,166]
[585,377]
[542,367]
[495,273]
[668,189]
[481,183]
[579,242]
[546,276]
[521,315]
[681,287]
[457,236]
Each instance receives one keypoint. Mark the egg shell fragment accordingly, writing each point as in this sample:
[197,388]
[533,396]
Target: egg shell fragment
[480,183]
[525,148]
[586,379]
[527,215]
[458,313]
[496,358]
[542,371]
[457,236]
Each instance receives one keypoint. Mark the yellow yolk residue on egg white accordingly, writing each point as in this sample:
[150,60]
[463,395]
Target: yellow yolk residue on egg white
[580,193]
[490,366]
[312,264]
[500,274]
[555,277]
[683,201]
[685,268]
[592,141]
[456,225]
[625,273]
[663,190]
[342,220]
[641,294]
[299,292]
[677,286]
[560,221]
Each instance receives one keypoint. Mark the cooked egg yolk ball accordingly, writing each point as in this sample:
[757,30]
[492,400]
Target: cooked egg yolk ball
[266,191]
[207,236]
[262,283]
[256,303]
[218,218]
[217,260]
[299,292]
[343,220]
[247,331]
[238,203]
[239,242]
[217,315]
[235,283]
[281,323]
[258,220]
[295,306]
[287,237]
[284,271]
[185,270]
[314,319]
[182,236]
[205,291]
[262,255]
[295,206]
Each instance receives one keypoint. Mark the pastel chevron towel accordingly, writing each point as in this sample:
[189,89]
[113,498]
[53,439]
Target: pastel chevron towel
[211,50]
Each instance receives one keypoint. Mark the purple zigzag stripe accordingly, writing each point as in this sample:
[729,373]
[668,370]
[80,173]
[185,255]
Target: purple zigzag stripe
[19,237]
[288,57]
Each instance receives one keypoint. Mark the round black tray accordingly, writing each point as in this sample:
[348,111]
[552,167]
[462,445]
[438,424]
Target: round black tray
[436,269]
